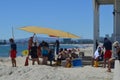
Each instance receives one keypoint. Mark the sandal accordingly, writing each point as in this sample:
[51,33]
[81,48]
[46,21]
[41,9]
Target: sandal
[108,70]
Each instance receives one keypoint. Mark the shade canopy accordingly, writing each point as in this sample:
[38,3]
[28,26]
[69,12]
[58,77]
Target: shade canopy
[48,31]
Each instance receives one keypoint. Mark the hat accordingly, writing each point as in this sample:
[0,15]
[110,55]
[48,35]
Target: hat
[116,43]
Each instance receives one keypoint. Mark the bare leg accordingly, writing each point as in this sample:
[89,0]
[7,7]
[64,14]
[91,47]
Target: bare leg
[38,61]
[33,62]
[46,59]
[14,63]
[104,63]
[12,60]
[109,64]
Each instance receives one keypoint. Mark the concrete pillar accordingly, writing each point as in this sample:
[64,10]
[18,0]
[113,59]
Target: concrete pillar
[117,20]
[116,70]
[96,23]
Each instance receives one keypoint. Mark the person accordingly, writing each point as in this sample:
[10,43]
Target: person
[30,42]
[44,44]
[39,51]
[97,44]
[13,52]
[51,56]
[34,54]
[60,57]
[114,54]
[68,63]
[57,46]
[108,47]
[96,56]
[45,51]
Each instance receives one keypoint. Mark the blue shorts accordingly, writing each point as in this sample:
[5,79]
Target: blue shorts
[44,52]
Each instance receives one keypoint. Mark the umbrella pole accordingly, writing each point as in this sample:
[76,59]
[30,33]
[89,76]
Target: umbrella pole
[12,33]
[36,39]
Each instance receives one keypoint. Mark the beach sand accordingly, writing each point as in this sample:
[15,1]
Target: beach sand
[43,72]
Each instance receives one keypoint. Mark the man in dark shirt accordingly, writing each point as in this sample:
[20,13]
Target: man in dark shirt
[108,47]
[34,54]
[57,46]
[13,52]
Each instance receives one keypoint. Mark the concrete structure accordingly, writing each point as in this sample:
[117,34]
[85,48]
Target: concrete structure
[116,15]
[116,70]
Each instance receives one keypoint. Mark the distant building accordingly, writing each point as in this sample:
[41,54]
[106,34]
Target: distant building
[66,41]
[3,42]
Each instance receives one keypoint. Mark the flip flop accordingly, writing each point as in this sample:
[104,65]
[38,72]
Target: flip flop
[108,70]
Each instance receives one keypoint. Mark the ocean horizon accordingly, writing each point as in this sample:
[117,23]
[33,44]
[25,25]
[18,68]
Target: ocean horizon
[4,49]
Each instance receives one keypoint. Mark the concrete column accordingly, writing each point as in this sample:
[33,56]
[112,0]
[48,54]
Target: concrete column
[116,74]
[96,23]
[117,20]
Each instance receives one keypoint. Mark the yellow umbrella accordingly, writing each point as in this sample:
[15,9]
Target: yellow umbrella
[37,30]
[48,31]
[63,34]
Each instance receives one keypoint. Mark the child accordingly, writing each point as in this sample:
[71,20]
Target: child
[96,57]
[68,63]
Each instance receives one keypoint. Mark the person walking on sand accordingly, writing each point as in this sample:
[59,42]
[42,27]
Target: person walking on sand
[108,47]
[115,55]
[13,52]
[57,43]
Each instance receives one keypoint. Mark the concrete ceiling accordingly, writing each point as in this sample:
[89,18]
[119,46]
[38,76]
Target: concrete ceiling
[105,1]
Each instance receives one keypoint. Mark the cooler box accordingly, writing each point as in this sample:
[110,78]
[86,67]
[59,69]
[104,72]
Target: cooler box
[77,62]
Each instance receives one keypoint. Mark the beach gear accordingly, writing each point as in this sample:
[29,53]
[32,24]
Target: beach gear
[25,52]
[96,63]
[77,62]
[48,31]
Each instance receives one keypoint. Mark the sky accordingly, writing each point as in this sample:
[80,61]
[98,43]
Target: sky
[74,16]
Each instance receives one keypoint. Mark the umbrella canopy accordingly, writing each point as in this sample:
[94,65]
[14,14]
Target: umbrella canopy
[48,31]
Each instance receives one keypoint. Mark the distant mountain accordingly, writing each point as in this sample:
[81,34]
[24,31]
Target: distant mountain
[39,39]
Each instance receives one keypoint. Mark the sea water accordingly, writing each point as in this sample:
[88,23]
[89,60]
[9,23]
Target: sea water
[4,49]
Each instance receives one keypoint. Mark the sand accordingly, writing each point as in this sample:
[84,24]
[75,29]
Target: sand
[45,72]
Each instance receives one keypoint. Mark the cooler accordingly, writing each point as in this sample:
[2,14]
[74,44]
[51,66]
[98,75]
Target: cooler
[77,62]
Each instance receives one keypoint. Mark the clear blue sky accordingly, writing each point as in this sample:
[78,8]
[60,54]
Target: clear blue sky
[75,16]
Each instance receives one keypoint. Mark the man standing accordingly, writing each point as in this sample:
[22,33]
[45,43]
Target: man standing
[57,46]
[13,52]
[108,47]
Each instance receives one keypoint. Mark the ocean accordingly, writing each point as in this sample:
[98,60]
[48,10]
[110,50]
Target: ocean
[4,49]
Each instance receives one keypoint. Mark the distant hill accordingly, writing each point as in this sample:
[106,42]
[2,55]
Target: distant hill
[39,39]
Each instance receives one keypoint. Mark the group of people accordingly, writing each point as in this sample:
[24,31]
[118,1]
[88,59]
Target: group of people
[43,51]
[108,53]
[68,55]
[35,51]
[39,50]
